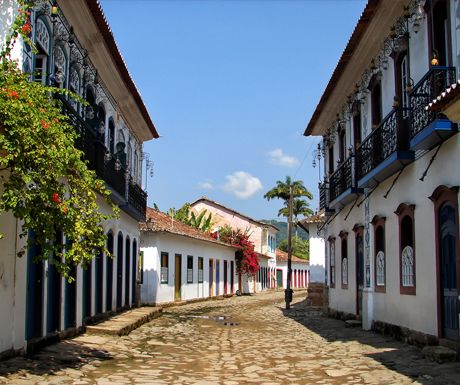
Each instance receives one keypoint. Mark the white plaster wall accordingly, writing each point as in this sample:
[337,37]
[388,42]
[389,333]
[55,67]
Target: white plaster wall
[152,244]
[418,311]
[12,286]
[317,254]
[282,265]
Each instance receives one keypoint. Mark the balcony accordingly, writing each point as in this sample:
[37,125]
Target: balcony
[323,201]
[129,196]
[430,128]
[342,185]
[384,151]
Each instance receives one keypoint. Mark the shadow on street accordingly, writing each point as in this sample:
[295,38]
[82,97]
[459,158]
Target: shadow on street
[394,355]
[64,355]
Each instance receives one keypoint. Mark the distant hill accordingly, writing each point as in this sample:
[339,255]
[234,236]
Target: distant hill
[282,226]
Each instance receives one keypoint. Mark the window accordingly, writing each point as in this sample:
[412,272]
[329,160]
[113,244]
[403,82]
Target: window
[332,262]
[330,156]
[189,269]
[342,144]
[356,110]
[376,100]
[344,258]
[42,38]
[440,39]
[164,268]
[406,248]
[200,269]
[379,253]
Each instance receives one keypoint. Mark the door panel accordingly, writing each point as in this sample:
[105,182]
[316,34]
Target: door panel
[449,288]
[178,277]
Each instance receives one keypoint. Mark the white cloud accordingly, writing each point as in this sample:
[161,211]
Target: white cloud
[279,158]
[206,185]
[242,184]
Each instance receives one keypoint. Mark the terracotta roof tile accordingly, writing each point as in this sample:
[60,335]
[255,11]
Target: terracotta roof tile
[283,256]
[159,222]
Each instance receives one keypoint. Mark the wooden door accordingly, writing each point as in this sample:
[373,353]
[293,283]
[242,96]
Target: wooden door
[217,276]
[34,297]
[279,278]
[211,275]
[449,280]
[359,272]
[178,277]
[119,271]
[232,277]
[225,277]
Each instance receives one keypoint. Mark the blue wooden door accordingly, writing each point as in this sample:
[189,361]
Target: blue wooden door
[109,274]
[127,270]
[359,273]
[70,310]
[448,232]
[34,296]
[99,276]
[120,271]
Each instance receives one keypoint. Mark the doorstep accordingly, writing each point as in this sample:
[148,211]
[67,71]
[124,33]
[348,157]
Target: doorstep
[126,322]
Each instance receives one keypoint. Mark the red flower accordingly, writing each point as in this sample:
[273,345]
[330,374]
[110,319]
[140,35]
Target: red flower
[13,94]
[26,29]
[45,125]
[56,198]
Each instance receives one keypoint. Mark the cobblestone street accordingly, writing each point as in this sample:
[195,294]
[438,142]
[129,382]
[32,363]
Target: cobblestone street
[233,341]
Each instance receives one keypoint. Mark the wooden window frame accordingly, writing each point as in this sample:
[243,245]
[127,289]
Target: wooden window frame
[344,255]
[200,271]
[406,210]
[164,254]
[189,270]
[332,272]
[428,10]
[379,221]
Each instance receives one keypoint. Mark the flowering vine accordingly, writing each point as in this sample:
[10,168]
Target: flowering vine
[46,184]
[247,261]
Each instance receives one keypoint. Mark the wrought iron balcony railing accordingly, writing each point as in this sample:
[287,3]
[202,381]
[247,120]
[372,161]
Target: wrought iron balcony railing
[137,198]
[94,151]
[389,136]
[323,196]
[436,80]
[341,179]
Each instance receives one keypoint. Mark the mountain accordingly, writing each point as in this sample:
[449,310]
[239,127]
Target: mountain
[282,226]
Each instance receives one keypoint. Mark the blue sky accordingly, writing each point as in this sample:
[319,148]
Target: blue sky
[231,86]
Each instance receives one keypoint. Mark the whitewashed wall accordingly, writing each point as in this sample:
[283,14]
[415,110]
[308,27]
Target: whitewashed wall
[152,244]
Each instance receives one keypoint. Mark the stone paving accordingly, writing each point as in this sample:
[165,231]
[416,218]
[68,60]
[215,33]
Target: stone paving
[241,340]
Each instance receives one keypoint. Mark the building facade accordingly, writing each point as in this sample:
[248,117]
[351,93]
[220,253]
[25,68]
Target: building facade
[316,247]
[180,263]
[261,234]
[75,49]
[390,190]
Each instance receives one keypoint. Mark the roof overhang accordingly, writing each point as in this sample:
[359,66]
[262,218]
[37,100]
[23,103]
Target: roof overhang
[364,44]
[94,34]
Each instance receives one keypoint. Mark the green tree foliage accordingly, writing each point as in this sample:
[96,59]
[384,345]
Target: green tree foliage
[281,190]
[186,215]
[300,247]
[46,183]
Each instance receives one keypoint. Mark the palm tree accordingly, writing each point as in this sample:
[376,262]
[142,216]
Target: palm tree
[299,207]
[285,190]
[281,190]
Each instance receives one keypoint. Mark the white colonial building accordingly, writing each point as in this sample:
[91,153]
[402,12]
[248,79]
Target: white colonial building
[76,50]
[262,235]
[390,191]
[317,255]
[181,263]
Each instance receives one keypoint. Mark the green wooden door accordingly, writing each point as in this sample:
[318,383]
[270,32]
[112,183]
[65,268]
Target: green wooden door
[279,278]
